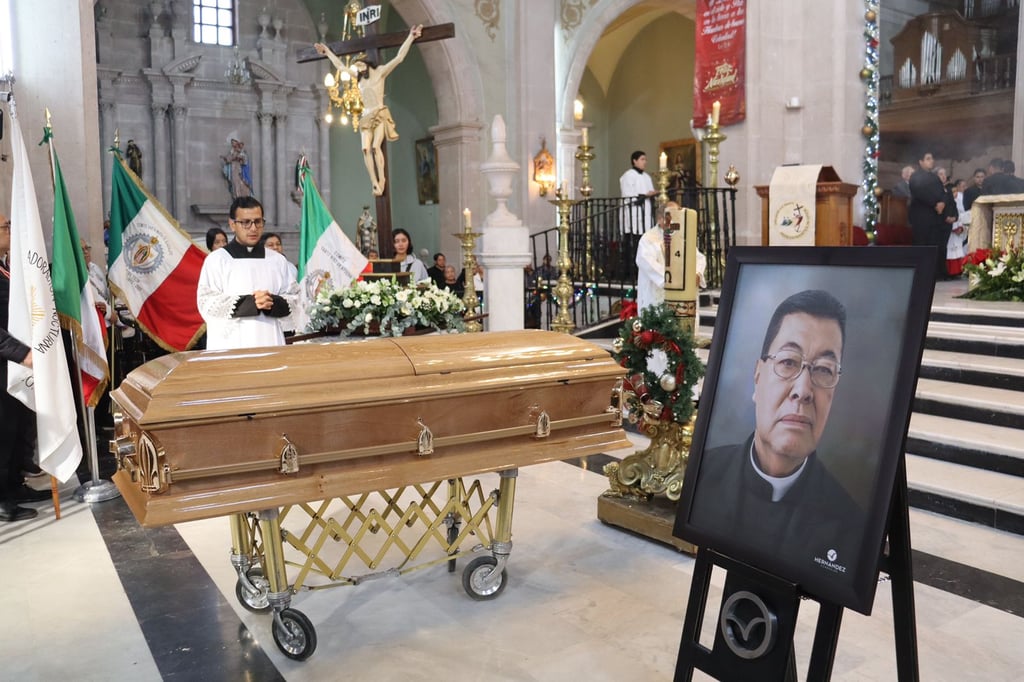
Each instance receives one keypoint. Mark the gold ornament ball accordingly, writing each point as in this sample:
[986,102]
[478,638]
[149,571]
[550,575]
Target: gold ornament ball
[732,176]
[870,16]
[867,130]
[637,327]
[865,73]
[617,345]
[668,382]
[879,191]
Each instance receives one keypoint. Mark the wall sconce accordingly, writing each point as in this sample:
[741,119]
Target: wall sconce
[544,168]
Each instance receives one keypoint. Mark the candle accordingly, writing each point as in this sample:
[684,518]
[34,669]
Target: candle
[586,142]
[663,161]
[468,219]
[715,110]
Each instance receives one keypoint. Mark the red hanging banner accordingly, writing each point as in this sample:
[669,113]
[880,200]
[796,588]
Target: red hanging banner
[718,74]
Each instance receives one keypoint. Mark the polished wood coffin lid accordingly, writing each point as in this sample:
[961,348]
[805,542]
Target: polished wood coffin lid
[216,384]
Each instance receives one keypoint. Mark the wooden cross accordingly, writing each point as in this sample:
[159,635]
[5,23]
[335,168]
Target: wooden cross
[371,44]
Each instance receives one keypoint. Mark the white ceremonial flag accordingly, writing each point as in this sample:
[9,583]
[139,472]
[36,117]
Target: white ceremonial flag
[33,318]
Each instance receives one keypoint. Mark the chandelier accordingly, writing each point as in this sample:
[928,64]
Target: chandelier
[237,72]
[343,85]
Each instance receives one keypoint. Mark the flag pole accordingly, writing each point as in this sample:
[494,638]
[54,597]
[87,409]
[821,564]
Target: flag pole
[96,490]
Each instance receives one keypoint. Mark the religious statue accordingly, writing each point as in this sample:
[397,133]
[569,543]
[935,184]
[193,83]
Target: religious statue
[134,155]
[236,170]
[376,122]
[366,233]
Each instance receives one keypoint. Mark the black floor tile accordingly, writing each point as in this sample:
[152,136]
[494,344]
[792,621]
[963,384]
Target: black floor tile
[192,632]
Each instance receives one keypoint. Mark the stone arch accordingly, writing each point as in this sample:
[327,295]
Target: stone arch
[458,100]
[581,44]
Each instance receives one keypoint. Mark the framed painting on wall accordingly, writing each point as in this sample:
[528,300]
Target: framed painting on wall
[426,171]
[684,159]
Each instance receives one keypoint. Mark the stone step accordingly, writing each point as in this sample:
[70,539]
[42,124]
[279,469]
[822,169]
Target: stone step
[964,492]
[975,370]
[980,339]
[1004,314]
[984,404]
[983,446]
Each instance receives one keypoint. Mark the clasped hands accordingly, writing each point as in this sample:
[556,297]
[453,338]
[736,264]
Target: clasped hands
[264,299]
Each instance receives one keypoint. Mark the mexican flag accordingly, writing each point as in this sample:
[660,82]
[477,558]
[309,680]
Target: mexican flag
[327,257]
[72,292]
[33,318]
[152,264]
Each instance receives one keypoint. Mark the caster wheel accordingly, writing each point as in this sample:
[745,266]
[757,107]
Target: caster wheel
[294,636]
[254,601]
[480,581]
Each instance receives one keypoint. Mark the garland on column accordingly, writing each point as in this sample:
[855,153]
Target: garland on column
[869,74]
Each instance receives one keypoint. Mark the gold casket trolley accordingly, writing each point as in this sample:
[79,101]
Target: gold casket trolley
[316,434]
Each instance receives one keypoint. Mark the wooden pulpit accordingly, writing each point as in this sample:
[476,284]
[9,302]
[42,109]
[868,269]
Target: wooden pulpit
[833,201]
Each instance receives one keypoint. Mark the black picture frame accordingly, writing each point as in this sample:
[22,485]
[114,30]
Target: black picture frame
[887,295]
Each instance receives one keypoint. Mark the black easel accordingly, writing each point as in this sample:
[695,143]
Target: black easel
[783,600]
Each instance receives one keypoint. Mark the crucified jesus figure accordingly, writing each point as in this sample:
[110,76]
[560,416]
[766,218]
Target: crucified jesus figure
[376,122]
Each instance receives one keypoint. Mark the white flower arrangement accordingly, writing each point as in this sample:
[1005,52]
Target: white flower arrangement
[386,307]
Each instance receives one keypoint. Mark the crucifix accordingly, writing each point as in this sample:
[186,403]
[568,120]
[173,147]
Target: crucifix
[377,126]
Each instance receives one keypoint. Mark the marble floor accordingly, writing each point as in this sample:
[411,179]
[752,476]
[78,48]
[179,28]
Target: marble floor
[94,597]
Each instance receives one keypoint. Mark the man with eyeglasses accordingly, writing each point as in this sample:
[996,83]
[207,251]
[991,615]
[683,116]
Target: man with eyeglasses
[772,490]
[245,290]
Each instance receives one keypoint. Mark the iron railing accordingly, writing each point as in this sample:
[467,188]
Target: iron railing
[603,235]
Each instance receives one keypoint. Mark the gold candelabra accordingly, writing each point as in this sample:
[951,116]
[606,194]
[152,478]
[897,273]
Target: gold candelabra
[343,86]
[713,138]
[563,290]
[469,299]
[585,154]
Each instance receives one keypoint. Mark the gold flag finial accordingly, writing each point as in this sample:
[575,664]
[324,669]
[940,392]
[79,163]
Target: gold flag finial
[117,138]
[49,124]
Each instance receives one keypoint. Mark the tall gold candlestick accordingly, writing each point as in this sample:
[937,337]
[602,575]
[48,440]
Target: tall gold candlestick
[563,290]
[469,299]
[663,176]
[585,154]
[713,138]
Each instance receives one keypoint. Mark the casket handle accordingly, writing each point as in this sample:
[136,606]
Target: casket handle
[425,442]
[615,408]
[543,429]
[289,456]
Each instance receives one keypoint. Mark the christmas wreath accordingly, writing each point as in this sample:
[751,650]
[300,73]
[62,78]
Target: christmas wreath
[661,363]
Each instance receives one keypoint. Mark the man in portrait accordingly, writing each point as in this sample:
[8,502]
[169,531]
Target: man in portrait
[772,492]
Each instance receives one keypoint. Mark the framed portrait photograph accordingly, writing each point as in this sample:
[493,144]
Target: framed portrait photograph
[804,412]
[426,171]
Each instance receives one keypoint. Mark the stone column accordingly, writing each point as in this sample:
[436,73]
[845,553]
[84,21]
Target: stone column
[108,112]
[280,174]
[179,191]
[266,169]
[459,186]
[506,242]
[159,156]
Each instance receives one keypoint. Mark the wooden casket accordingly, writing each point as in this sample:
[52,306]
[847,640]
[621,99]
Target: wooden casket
[211,433]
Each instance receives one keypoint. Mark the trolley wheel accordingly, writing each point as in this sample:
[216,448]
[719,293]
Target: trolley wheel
[479,580]
[254,601]
[294,636]
[453,534]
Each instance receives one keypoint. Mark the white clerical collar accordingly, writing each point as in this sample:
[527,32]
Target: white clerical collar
[780,486]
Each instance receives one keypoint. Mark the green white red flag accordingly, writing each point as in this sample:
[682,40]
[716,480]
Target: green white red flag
[72,292]
[33,318]
[153,266]
[327,257]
